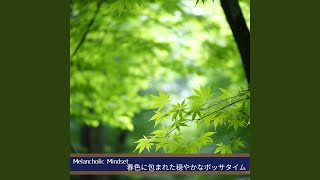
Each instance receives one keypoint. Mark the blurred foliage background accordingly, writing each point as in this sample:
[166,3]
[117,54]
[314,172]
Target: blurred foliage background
[120,54]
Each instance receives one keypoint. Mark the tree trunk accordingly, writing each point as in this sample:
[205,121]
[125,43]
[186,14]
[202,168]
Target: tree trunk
[240,31]
[92,139]
[121,139]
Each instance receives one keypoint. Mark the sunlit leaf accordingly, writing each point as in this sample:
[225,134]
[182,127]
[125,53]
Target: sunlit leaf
[223,149]
[160,101]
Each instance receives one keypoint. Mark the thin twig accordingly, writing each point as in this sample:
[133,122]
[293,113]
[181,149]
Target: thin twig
[226,99]
[83,38]
[189,120]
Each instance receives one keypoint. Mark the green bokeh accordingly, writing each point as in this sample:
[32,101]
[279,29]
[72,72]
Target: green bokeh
[172,46]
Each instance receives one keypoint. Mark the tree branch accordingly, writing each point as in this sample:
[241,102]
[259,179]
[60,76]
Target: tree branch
[83,38]
[240,31]
[190,120]
[240,94]
[221,108]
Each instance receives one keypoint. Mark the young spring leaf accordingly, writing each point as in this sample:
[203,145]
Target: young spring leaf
[202,95]
[229,113]
[204,139]
[225,93]
[236,143]
[160,101]
[195,111]
[177,136]
[237,123]
[178,109]
[143,143]
[162,144]
[219,120]
[223,149]
[159,133]
[158,117]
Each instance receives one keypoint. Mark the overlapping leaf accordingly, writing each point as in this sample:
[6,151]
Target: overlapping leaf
[202,95]
[143,143]
[160,101]
[237,144]
[223,149]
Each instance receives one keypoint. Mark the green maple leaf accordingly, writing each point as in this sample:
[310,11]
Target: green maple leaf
[143,143]
[223,149]
[204,139]
[177,136]
[162,144]
[201,96]
[160,101]
[237,123]
[208,122]
[236,144]
[225,93]
[219,120]
[158,117]
[160,132]
[178,109]
[195,111]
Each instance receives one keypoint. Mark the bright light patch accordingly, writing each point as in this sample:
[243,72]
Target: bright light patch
[197,11]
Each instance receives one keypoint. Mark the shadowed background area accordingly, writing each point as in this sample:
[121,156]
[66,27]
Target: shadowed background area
[123,51]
